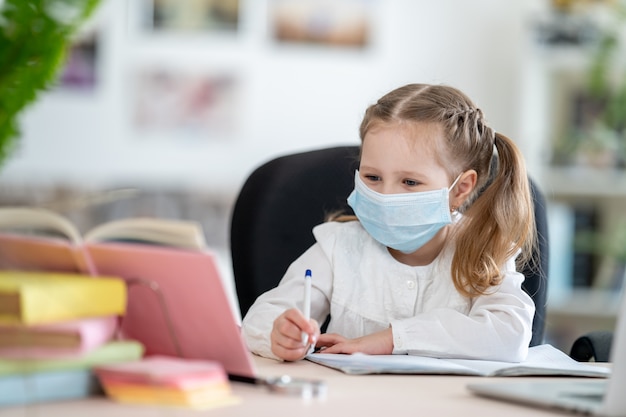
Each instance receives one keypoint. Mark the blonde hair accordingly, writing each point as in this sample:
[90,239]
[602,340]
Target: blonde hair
[498,219]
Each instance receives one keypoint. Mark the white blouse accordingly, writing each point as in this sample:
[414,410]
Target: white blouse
[366,290]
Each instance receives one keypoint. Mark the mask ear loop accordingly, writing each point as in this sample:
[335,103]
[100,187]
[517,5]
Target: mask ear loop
[455,181]
[454,209]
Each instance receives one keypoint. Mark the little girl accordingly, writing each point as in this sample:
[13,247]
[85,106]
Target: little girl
[428,264]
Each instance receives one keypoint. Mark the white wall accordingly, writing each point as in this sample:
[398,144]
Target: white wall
[293,98]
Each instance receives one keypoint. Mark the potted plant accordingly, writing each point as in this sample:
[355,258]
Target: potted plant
[34,39]
[598,135]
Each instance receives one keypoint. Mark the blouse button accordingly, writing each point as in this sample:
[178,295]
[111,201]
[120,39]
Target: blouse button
[410,284]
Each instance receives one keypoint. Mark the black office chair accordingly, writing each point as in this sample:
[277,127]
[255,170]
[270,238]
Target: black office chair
[283,200]
[593,346]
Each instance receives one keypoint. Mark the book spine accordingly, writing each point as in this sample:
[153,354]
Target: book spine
[114,351]
[48,386]
[72,299]
[92,333]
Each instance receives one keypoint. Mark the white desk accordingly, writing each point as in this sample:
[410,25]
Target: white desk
[348,395]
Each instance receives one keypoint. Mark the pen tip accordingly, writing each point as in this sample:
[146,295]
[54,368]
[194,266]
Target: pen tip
[307,273]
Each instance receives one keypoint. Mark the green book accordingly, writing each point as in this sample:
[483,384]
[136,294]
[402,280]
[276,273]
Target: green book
[114,351]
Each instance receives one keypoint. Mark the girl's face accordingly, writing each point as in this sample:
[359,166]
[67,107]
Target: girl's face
[401,158]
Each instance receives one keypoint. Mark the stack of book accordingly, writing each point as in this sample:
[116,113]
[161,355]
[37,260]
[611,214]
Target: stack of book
[168,381]
[54,328]
[165,273]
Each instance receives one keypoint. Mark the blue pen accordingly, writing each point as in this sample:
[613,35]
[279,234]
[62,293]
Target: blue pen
[307,302]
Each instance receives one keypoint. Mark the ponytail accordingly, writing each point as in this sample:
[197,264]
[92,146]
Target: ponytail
[497,225]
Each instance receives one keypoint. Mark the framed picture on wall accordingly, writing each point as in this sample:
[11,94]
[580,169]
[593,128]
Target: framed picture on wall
[191,15]
[177,104]
[81,64]
[346,23]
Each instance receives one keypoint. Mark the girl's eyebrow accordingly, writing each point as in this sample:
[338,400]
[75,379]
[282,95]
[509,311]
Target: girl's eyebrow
[410,174]
[365,167]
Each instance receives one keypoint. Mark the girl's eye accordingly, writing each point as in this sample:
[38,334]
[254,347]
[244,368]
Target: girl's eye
[411,183]
[372,178]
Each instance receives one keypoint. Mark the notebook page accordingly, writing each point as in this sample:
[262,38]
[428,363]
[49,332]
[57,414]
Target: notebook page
[542,360]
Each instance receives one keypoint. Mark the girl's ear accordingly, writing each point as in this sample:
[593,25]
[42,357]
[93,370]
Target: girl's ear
[463,188]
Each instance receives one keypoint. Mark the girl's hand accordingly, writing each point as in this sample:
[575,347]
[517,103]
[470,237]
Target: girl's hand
[380,343]
[286,336]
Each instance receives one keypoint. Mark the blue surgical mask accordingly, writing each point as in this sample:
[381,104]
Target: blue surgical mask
[404,222]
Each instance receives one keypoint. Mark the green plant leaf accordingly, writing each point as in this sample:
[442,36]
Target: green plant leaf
[34,38]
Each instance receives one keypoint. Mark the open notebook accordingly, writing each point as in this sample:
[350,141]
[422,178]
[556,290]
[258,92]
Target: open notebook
[598,398]
[542,360]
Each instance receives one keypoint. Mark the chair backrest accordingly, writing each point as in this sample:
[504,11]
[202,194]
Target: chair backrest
[283,199]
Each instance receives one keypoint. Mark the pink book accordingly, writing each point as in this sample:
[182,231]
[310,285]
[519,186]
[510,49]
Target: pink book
[177,303]
[59,340]
[164,371]
[39,239]
[38,253]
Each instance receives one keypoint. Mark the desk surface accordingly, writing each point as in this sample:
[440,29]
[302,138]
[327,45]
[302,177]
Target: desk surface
[348,395]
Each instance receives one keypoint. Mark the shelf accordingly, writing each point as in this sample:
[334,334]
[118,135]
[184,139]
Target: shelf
[591,303]
[584,182]
[579,312]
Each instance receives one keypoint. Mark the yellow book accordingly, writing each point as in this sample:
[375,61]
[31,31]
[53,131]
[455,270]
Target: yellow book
[47,297]
[201,405]
[170,395]
[215,395]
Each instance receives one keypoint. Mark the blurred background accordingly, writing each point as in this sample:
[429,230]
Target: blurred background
[163,107]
